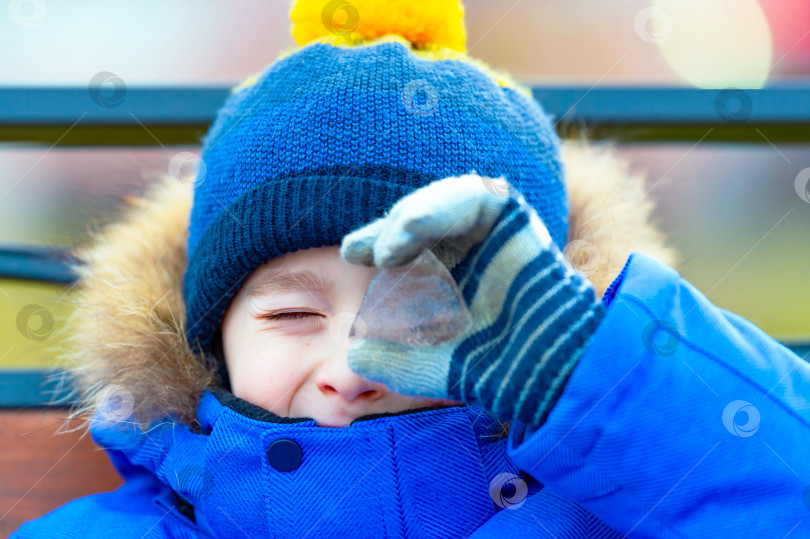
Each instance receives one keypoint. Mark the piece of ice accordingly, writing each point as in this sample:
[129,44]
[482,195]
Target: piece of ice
[417,304]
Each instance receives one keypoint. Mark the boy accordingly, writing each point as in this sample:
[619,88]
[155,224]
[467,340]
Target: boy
[634,409]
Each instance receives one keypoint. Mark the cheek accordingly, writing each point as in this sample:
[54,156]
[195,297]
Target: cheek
[267,370]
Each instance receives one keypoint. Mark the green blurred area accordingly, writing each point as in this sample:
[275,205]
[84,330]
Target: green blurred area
[767,288]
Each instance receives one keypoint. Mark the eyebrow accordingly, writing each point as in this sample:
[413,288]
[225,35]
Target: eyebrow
[302,281]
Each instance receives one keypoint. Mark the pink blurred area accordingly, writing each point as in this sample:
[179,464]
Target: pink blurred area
[790,28]
[191,42]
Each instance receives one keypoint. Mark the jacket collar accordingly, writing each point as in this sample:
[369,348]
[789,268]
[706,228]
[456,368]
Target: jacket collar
[426,471]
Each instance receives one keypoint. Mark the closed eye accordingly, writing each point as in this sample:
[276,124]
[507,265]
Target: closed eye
[294,315]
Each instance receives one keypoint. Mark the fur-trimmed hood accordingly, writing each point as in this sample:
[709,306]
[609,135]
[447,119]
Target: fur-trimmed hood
[126,337]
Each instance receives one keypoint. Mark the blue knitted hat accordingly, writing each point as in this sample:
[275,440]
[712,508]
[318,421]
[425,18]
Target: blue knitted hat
[378,99]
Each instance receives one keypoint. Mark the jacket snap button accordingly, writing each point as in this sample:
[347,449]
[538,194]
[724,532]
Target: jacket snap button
[284,454]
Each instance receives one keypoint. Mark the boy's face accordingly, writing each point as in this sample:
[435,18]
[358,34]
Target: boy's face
[285,339]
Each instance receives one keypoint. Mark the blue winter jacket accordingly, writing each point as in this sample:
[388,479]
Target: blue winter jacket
[681,420]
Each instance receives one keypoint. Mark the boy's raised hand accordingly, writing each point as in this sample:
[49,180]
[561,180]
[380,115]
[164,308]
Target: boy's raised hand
[532,313]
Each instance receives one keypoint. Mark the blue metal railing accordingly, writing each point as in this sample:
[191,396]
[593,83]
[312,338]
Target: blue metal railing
[181,116]
[49,264]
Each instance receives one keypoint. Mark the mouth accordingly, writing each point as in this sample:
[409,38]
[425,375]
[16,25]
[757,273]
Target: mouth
[343,418]
[335,422]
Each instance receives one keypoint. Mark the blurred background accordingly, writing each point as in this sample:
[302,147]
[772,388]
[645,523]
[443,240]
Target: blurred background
[732,210]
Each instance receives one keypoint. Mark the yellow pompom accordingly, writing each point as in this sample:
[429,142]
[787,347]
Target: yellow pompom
[422,22]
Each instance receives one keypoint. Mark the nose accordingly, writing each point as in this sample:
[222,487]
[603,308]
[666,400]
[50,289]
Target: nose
[336,379]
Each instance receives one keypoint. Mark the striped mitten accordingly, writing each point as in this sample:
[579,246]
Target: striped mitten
[532,313]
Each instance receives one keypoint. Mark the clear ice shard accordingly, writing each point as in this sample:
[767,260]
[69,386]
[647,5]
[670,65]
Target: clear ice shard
[417,304]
